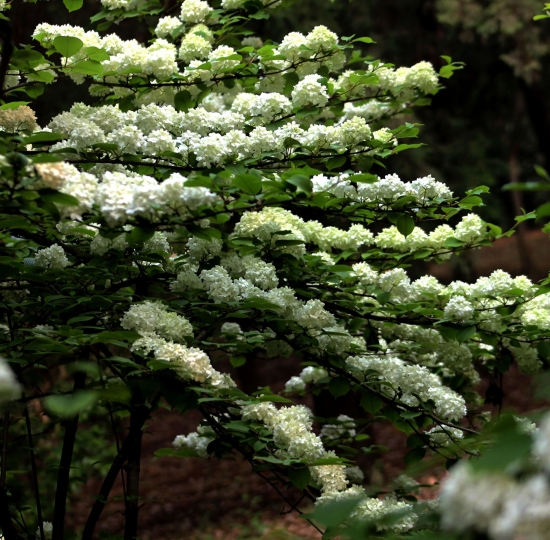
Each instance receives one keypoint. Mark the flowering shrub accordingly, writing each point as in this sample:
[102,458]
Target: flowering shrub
[224,198]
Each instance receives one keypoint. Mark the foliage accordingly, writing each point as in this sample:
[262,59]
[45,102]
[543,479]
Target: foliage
[226,199]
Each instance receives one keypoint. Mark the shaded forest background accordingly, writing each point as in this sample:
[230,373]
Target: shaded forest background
[489,126]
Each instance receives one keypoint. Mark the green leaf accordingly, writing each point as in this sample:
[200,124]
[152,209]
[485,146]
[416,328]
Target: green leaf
[333,513]
[248,183]
[302,183]
[336,162]
[414,456]
[67,46]
[405,224]
[509,447]
[13,105]
[71,405]
[237,361]
[453,242]
[291,80]
[43,138]
[543,210]
[300,477]
[183,101]
[465,334]
[139,235]
[370,402]
[364,40]
[94,53]
[115,392]
[470,202]
[73,5]
[259,15]
[53,196]
[40,76]
[87,67]
[120,335]
[338,386]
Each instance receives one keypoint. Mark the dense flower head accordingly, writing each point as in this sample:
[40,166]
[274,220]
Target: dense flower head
[153,317]
[51,257]
[194,11]
[310,92]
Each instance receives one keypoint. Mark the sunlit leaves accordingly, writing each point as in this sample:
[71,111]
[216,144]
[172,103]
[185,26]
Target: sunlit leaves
[67,46]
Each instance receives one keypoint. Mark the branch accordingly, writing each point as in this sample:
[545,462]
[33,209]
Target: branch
[34,474]
[8,531]
[6,524]
[133,436]
[132,473]
[71,426]
[5,426]
[7,50]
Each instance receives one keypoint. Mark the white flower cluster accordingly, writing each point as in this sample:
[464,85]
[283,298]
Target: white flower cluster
[291,427]
[496,504]
[502,505]
[536,312]
[121,196]
[123,4]
[309,375]
[426,191]
[405,382]
[190,364]
[9,387]
[355,475]
[459,309]
[430,349]
[157,60]
[372,508]
[309,92]
[197,441]
[266,224]
[444,435]
[149,318]
[402,80]
[47,527]
[303,54]
[194,11]
[51,257]
[196,44]
[343,430]
[526,357]
[470,229]
[236,279]
[459,301]
[215,138]
[166,26]
[231,328]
